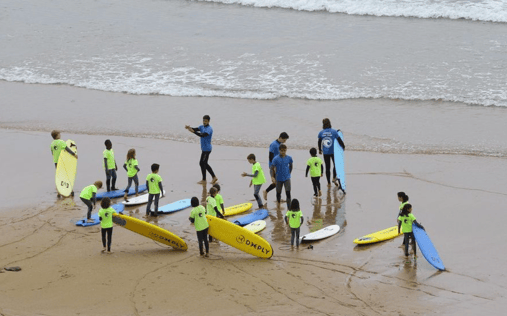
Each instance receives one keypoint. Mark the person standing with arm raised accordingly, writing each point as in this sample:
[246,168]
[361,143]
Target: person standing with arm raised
[205,132]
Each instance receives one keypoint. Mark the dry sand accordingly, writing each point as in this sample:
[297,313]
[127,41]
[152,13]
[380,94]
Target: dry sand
[459,199]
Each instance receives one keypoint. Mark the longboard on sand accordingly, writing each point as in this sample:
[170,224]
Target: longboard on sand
[321,233]
[95,217]
[256,226]
[339,162]
[120,193]
[250,218]
[427,249]
[141,199]
[239,238]
[149,230]
[382,235]
[65,175]
[174,207]
[237,209]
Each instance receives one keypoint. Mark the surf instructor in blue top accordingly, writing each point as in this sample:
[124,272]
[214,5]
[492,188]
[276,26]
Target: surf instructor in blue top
[326,143]
[205,132]
[274,150]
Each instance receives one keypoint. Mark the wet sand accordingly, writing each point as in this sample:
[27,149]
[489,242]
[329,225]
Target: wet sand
[459,199]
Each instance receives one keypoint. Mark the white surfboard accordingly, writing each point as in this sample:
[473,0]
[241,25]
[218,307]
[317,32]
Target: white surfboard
[256,226]
[141,199]
[321,233]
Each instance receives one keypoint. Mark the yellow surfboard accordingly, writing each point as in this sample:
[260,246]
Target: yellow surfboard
[149,230]
[237,209]
[66,170]
[239,238]
[382,235]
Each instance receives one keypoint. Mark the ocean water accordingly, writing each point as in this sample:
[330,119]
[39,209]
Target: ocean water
[418,52]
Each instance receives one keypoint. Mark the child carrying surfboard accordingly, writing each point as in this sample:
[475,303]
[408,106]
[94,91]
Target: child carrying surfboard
[219,199]
[258,178]
[211,206]
[57,145]
[198,218]
[132,168]
[405,221]
[294,218]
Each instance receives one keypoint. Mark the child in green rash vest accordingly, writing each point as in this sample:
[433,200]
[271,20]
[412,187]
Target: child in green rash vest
[219,199]
[106,223]
[294,217]
[405,221]
[258,178]
[89,194]
[198,218]
[132,168]
[314,165]
[403,198]
[211,206]
[57,145]
[155,188]
[110,166]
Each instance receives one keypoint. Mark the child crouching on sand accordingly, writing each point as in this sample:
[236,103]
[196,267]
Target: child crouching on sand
[198,218]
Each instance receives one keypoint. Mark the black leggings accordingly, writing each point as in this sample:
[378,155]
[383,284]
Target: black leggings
[152,198]
[294,232]
[201,237]
[327,161]
[203,162]
[136,182]
[406,238]
[316,185]
[109,232]
[90,207]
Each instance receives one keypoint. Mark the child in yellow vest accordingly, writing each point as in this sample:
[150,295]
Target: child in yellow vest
[294,218]
[314,165]
[154,185]
[405,221]
[198,218]
[258,178]
[106,223]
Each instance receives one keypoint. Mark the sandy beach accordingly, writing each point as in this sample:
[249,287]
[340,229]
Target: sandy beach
[458,198]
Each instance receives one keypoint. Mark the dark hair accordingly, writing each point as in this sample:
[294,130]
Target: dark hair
[105,203]
[131,153]
[213,190]
[405,209]
[284,135]
[194,201]
[155,167]
[206,117]
[313,151]
[216,186]
[55,133]
[403,196]
[283,146]
[326,123]
[251,157]
[108,143]
[294,205]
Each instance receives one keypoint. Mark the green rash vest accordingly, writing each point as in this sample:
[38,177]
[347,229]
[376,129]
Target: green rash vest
[260,179]
[406,223]
[315,163]
[153,181]
[131,167]
[210,206]
[88,191]
[199,215]
[219,200]
[109,155]
[294,218]
[56,148]
[107,217]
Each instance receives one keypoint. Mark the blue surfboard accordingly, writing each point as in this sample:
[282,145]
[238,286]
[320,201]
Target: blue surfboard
[427,249]
[82,222]
[250,218]
[120,193]
[339,162]
[174,207]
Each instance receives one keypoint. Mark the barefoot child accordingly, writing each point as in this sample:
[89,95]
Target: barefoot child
[294,217]
[219,199]
[132,168]
[110,166]
[89,195]
[154,184]
[198,218]
[205,132]
[257,178]
[211,206]
[314,165]
[281,168]
[106,223]
[405,221]
[57,145]
[403,198]
[274,150]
